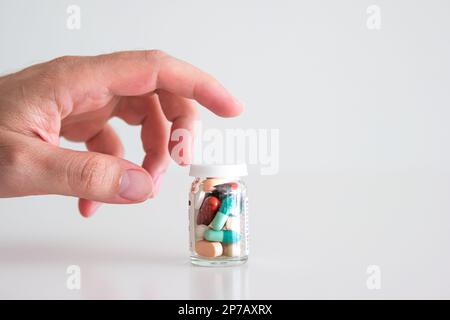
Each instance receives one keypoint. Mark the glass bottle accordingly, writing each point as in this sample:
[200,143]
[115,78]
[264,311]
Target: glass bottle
[218,215]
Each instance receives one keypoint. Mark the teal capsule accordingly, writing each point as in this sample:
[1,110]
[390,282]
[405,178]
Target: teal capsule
[219,221]
[222,215]
[224,236]
[226,205]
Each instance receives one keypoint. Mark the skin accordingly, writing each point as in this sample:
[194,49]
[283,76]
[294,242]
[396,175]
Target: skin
[74,97]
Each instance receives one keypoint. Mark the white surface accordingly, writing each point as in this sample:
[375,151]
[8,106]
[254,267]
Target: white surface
[364,152]
[312,240]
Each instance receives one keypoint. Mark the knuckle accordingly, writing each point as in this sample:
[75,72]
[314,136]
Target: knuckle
[154,55]
[192,112]
[94,175]
[14,165]
[59,66]
[63,61]
[188,114]
[158,154]
[13,156]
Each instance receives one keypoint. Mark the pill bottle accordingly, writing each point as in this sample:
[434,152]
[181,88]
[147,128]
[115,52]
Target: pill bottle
[218,217]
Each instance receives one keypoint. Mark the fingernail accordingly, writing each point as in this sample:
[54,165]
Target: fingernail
[88,207]
[135,185]
[94,206]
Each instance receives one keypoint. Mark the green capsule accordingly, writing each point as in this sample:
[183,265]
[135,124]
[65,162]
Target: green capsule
[220,219]
[224,236]
[227,205]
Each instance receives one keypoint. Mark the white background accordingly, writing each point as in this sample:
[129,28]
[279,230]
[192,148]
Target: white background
[364,152]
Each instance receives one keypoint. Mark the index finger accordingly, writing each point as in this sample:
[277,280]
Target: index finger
[134,73]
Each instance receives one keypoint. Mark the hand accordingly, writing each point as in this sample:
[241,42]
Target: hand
[74,97]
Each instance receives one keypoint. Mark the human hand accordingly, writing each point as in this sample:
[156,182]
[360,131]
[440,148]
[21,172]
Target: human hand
[74,97]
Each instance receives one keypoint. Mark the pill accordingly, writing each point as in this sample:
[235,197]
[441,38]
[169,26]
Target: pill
[233,224]
[208,249]
[218,195]
[222,215]
[207,210]
[200,196]
[200,231]
[209,184]
[232,249]
[227,205]
[225,236]
[227,187]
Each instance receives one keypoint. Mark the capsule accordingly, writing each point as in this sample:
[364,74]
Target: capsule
[208,249]
[226,187]
[232,249]
[233,223]
[222,215]
[224,236]
[200,231]
[211,183]
[208,210]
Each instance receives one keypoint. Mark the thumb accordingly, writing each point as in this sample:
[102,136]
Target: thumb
[41,168]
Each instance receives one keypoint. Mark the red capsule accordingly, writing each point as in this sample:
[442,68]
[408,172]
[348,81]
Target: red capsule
[208,210]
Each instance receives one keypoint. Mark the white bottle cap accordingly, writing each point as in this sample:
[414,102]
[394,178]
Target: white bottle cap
[218,171]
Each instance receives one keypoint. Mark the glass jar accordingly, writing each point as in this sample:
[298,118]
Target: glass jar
[218,221]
